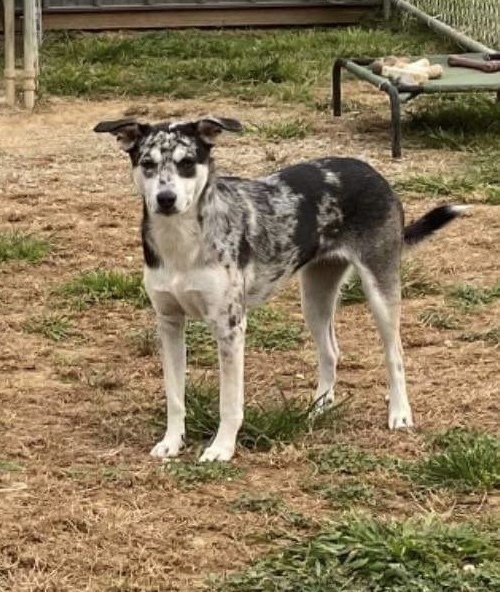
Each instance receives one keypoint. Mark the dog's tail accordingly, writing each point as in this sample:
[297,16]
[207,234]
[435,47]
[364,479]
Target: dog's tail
[430,222]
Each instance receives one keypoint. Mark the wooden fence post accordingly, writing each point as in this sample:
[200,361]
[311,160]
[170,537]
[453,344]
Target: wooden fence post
[30,51]
[9,33]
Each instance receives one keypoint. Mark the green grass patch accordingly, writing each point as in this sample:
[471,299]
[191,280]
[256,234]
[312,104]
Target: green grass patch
[263,427]
[285,130]
[94,287]
[267,329]
[271,330]
[19,246]
[455,122]
[264,503]
[490,336]
[144,342]
[438,185]
[191,474]
[479,183]
[415,283]
[439,319]
[287,64]
[470,297]
[53,326]
[362,554]
[343,459]
[461,459]
[344,494]
[10,466]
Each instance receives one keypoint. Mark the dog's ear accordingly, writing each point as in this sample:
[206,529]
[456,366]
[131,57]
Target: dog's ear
[210,127]
[128,131]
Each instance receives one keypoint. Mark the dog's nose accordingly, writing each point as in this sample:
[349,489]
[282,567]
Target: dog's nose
[166,199]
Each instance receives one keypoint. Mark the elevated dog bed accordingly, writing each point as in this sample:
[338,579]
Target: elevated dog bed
[453,80]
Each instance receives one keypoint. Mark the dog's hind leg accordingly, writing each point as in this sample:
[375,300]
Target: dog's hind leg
[320,287]
[381,284]
[171,332]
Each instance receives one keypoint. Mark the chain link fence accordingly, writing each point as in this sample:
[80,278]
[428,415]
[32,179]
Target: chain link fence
[478,19]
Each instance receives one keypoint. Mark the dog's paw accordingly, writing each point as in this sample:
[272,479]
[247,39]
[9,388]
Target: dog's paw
[217,452]
[400,418]
[168,447]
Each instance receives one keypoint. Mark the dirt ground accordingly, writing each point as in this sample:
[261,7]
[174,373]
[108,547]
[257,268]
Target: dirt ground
[88,509]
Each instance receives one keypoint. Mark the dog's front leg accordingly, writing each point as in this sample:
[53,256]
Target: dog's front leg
[231,347]
[171,331]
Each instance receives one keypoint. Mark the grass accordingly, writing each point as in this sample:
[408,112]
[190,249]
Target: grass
[343,459]
[287,64]
[53,326]
[470,297]
[267,329]
[415,283]
[479,183]
[455,122]
[362,554]
[10,466]
[257,503]
[285,130]
[144,342]
[20,246]
[342,494]
[94,287]
[269,505]
[490,336]
[188,474]
[263,427]
[461,459]
[438,319]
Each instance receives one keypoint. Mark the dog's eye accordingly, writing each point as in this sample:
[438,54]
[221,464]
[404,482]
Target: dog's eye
[149,165]
[186,166]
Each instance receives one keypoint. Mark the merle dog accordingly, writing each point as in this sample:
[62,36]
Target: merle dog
[216,246]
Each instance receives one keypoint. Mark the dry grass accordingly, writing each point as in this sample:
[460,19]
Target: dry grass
[83,507]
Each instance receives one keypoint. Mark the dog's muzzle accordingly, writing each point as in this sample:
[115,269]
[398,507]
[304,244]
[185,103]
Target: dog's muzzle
[166,200]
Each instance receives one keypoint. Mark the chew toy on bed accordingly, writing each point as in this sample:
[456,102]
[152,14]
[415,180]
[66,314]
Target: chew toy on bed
[403,71]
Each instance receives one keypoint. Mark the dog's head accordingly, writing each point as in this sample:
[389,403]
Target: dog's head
[170,161]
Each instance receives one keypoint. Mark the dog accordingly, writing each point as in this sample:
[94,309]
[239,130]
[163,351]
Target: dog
[215,246]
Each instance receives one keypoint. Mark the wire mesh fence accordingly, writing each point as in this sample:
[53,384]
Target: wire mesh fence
[479,19]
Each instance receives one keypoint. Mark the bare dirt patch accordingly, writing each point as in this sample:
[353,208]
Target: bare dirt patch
[82,505]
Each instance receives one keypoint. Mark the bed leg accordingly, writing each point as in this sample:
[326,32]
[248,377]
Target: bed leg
[395,119]
[336,91]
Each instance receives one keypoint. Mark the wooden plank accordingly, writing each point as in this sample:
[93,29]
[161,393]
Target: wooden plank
[201,17]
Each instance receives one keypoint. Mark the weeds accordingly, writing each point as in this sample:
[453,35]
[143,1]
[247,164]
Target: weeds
[456,122]
[438,319]
[285,130]
[491,336]
[267,329]
[94,287]
[415,283]
[342,494]
[144,342]
[471,297]
[343,459]
[263,427]
[462,460]
[189,474]
[19,246]
[258,503]
[10,466]
[362,554]
[53,326]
